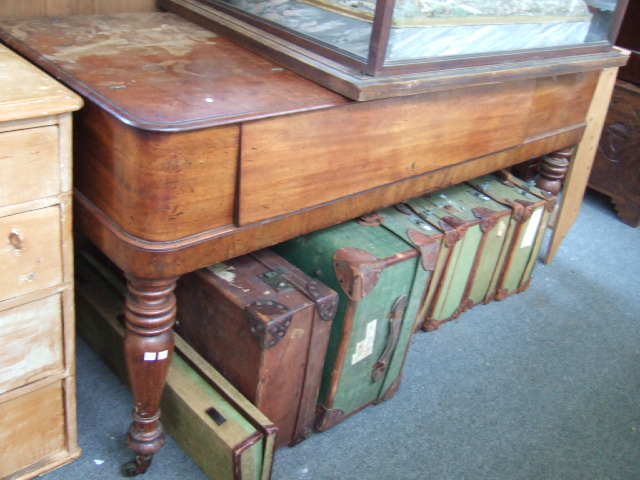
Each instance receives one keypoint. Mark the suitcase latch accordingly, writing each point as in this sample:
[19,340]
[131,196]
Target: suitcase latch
[275,279]
[280,279]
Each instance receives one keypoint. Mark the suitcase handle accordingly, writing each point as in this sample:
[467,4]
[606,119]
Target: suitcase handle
[395,322]
[215,415]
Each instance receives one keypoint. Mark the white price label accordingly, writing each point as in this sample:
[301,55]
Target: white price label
[364,347]
[532,229]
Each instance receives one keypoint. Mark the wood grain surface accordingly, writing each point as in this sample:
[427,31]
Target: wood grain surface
[55,8]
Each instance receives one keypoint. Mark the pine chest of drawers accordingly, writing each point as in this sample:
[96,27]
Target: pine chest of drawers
[37,358]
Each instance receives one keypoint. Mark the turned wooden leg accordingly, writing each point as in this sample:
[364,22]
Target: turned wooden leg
[580,167]
[150,314]
[552,170]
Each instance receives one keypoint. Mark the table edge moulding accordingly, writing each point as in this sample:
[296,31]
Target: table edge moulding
[191,150]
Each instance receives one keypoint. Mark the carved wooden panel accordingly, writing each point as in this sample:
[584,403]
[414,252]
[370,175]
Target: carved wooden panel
[616,170]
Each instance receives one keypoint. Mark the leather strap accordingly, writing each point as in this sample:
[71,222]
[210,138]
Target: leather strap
[395,322]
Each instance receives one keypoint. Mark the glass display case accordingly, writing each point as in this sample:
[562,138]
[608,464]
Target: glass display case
[387,38]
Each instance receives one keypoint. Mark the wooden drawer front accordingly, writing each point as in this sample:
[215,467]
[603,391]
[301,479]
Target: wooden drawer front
[31,342]
[295,162]
[30,164]
[32,428]
[550,109]
[30,252]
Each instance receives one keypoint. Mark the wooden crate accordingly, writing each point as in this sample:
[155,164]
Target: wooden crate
[37,359]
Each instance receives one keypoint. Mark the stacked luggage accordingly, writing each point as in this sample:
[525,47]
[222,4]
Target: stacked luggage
[475,227]
[531,212]
[318,327]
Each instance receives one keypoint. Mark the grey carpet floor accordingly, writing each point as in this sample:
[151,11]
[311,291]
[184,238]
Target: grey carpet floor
[544,385]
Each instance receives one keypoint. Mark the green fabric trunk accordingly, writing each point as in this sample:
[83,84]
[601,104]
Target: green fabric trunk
[526,232]
[494,222]
[361,327]
[461,246]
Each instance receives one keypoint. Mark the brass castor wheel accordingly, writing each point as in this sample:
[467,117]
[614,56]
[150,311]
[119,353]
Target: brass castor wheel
[136,467]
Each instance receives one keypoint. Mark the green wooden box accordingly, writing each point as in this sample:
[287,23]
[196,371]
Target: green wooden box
[381,266]
[223,433]
[531,212]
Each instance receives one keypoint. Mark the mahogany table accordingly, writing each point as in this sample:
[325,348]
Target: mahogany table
[191,150]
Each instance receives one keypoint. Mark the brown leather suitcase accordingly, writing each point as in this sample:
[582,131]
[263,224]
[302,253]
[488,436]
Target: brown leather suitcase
[265,326]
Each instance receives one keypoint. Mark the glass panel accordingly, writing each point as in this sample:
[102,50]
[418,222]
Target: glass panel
[443,28]
[431,29]
[320,20]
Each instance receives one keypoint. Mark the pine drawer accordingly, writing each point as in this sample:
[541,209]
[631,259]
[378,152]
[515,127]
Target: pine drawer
[30,252]
[32,337]
[34,432]
[30,164]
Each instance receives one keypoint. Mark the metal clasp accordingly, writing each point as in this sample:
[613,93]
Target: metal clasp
[275,279]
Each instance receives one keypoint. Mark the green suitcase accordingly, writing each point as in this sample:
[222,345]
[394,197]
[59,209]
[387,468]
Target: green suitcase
[223,433]
[463,238]
[531,211]
[381,266]
[494,222]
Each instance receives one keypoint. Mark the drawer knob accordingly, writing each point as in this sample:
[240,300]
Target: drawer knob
[16,240]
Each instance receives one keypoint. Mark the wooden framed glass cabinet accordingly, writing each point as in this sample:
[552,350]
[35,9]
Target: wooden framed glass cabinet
[369,49]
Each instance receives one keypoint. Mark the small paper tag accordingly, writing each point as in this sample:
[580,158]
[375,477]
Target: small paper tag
[153,356]
[502,227]
[364,348]
[223,271]
[532,229]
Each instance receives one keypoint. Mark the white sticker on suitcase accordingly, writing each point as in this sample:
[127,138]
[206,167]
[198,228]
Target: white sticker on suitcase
[223,271]
[227,273]
[502,227]
[532,229]
[364,348]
